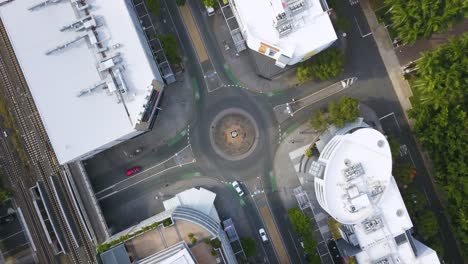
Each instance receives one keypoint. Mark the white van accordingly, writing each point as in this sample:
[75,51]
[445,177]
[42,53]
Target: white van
[210,10]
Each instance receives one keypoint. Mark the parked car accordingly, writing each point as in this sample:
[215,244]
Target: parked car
[210,10]
[263,235]
[237,187]
[133,171]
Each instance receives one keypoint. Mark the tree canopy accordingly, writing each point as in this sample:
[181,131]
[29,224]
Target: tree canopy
[210,3]
[328,64]
[319,121]
[440,107]
[403,173]
[418,19]
[346,110]
[426,224]
[249,246]
[299,221]
[170,47]
[325,65]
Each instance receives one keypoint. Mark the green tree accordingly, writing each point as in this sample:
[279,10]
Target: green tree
[304,72]
[211,3]
[249,246]
[319,121]
[154,6]
[403,173]
[169,44]
[421,18]
[328,64]
[180,2]
[300,222]
[346,110]
[426,224]
[394,146]
[439,110]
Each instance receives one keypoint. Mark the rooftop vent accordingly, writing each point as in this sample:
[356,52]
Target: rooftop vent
[380,143]
[353,171]
[372,225]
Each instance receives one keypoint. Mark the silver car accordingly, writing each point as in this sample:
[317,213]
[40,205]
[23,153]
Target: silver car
[237,187]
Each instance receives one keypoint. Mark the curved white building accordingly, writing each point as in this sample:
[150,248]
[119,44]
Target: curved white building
[288,31]
[354,184]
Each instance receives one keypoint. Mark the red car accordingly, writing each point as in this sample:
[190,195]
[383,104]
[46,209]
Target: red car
[133,171]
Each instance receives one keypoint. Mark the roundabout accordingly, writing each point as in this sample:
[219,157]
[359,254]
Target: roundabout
[233,134]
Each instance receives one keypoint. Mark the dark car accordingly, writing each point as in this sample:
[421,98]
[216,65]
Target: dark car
[133,171]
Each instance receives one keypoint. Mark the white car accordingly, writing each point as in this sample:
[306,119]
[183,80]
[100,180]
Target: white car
[263,235]
[237,187]
[210,10]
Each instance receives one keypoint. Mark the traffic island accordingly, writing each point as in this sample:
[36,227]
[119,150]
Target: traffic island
[234,134]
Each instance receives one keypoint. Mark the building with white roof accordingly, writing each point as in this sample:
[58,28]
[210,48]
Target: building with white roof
[354,184]
[89,69]
[191,211]
[288,31]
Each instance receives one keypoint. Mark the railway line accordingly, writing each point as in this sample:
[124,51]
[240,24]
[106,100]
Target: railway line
[42,161]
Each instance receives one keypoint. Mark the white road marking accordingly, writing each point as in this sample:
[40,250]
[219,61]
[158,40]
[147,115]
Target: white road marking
[142,172]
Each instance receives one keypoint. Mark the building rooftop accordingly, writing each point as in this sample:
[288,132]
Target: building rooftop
[295,28]
[90,71]
[358,170]
[354,184]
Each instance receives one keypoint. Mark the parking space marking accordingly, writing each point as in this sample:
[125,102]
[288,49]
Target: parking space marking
[12,235]
[394,117]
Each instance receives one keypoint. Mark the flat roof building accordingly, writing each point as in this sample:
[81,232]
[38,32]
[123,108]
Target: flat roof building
[89,69]
[288,31]
[354,184]
[165,238]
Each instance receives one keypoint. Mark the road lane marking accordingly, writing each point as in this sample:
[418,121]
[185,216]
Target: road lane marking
[142,172]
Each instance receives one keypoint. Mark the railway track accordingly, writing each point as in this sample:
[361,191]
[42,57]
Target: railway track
[39,150]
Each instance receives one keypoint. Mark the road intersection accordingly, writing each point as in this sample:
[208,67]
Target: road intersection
[364,78]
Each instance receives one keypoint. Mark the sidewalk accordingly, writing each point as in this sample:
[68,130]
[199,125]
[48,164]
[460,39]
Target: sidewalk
[389,58]
[291,168]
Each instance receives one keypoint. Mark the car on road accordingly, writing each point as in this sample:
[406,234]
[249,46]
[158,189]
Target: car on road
[263,235]
[132,171]
[237,187]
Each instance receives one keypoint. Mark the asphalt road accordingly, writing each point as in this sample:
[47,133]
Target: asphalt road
[372,88]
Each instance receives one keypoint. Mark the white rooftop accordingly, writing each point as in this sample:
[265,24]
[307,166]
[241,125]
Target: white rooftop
[357,176]
[295,28]
[368,151]
[200,199]
[59,63]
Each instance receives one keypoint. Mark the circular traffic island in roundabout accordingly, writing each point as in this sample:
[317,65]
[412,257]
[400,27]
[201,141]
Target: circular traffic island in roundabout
[233,134]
